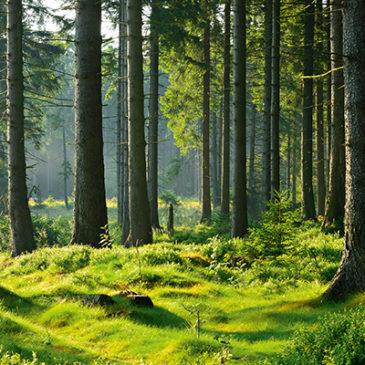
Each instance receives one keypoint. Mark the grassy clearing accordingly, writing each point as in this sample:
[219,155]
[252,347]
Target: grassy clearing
[249,309]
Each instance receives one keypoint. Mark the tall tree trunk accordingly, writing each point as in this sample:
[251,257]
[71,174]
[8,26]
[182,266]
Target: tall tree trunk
[336,195]
[266,150]
[239,210]
[214,157]
[140,230]
[153,116]
[275,97]
[350,276]
[328,94]
[90,213]
[288,163]
[307,128]
[65,167]
[321,189]
[226,144]
[125,133]
[251,168]
[21,228]
[120,110]
[219,154]
[294,172]
[206,204]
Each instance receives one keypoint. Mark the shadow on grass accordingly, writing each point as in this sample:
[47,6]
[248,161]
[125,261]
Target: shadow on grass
[16,303]
[157,317]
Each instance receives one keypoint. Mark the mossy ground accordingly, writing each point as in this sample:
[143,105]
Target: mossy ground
[248,313]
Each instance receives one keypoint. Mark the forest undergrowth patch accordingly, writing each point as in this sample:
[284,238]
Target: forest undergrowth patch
[251,299]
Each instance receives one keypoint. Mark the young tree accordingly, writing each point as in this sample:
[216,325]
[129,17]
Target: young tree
[153,115]
[226,143]
[90,213]
[140,230]
[350,276]
[239,211]
[336,195]
[307,128]
[21,228]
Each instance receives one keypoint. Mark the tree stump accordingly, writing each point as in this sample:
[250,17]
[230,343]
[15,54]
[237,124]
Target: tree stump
[170,221]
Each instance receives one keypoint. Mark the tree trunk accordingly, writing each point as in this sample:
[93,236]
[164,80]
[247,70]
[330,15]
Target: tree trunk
[288,164]
[350,276]
[21,228]
[329,95]
[321,185]
[214,157]
[275,97]
[140,230]
[65,167]
[120,110]
[226,144]
[239,210]
[251,168]
[90,213]
[153,117]
[336,195]
[294,172]
[307,128]
[219,154]
[266,149]
[206,205]
[125,143]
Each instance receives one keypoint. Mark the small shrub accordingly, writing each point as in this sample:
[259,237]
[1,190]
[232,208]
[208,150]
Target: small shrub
[169,197]
[339,339]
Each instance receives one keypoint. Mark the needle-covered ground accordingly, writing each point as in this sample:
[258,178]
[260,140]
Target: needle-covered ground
[256,304]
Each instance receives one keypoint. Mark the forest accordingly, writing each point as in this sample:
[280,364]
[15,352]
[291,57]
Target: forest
[182,182]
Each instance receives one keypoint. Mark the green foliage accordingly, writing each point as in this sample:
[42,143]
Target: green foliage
[169,197]
[339,339]
[275,234]
[52,231]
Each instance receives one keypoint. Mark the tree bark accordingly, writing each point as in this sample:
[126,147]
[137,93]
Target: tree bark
[153,116]
[239,210]
[21,228]
[226,144]
[266,150]
[350,276]
[275,97]
[329,94]
[65,170]
[214,157]
[321,185]
[288,163]
[206,203]
[336,195]
[307,127]
[90,213]
[140,230]
[125,138]
[251,168]
[294,172]
[120,111]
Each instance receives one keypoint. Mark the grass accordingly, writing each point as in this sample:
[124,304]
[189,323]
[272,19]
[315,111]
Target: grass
[249,310]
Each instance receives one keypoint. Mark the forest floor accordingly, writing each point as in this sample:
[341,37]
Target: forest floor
[249,309]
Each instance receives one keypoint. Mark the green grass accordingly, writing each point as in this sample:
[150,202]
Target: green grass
[255,306]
